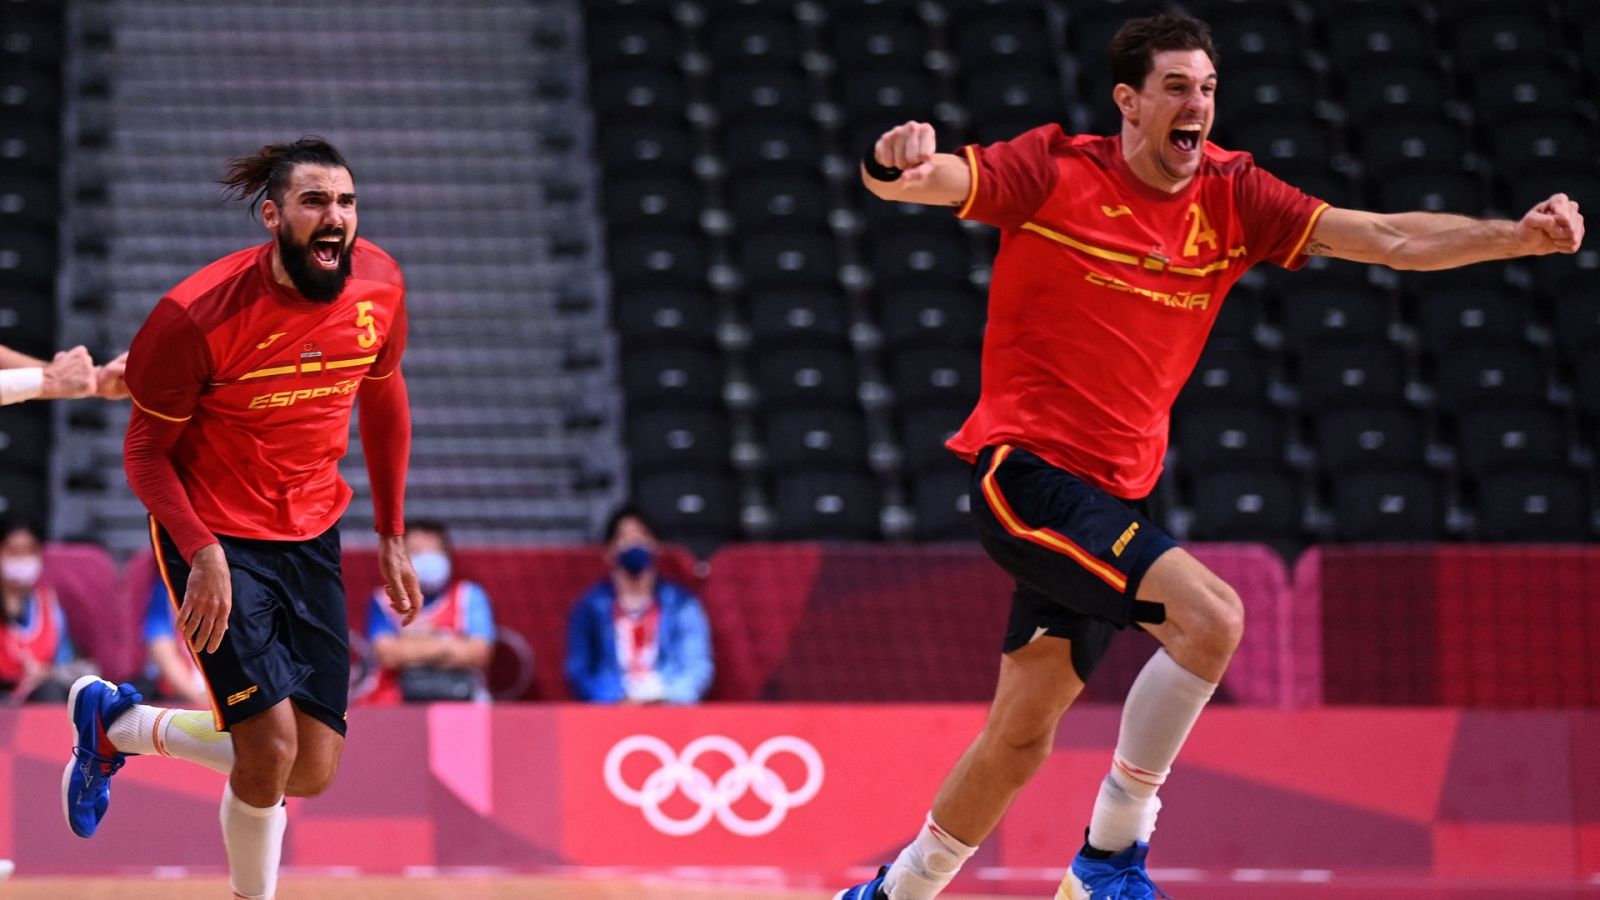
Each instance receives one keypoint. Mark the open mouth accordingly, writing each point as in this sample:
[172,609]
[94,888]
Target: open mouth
[326,250]
[1186,137]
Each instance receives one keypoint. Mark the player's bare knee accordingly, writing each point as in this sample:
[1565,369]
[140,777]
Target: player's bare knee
[267,753]
[311,781]
[1219,620]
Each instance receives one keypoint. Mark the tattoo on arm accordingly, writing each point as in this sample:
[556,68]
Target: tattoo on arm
[1318,248]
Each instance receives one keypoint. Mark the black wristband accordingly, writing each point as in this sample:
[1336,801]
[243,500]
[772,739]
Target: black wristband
[878,171]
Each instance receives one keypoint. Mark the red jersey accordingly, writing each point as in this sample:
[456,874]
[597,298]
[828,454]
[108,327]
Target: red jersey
[1104,291]
[261,383]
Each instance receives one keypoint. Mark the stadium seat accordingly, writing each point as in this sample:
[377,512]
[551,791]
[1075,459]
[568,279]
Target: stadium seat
[836,505]
[794,259]
[1262,34]
[685,438]
[797,315]
[1441,191]
[658,259]
[1399,89]
[24,440]
[890,95]
[763,94]
[1533,506]
[815,438]
[1241,312]
[677,376]
[1509,37]
[641,147]
[1260,504]
[1019,95]
[1497,439]
[770,148]
[23,494]
[1324,313]
[696,507]
[1217,437]
[942,501]
[875,40]
[934,376]
[1549,142]
[639,93]
[1387,506]
[904,261]
[677,317]
[28,201]
[1014,36]
[793,203]
[1536,186]
[1479,376]
[1506,92]
[818,375]
[1484,314]
[1577,322]
[1412,144]
[880,217]
[652,203]
[632,41]
[1361,39]
[923,433]
[1267,92]
[1368,438]
[1342,375]
[739,42]
[932,315]
[1228,373]
[1286,146]
[1586,384]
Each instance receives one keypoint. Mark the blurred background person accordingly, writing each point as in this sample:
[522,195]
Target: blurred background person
[170,672]
[37,661]
[636,637]
[445,653]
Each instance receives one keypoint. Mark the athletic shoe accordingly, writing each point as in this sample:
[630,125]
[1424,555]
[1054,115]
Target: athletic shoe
[1122,877]
[93,705]
[867,890]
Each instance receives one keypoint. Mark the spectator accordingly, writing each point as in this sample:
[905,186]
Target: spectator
[170,670]
[37,661]
[635,637]
[445,653]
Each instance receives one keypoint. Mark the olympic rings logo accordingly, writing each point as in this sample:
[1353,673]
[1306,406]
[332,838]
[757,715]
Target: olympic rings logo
[747,772]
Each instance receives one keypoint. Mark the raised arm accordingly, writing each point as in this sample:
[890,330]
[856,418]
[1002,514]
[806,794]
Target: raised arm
[935,179]
[1426,241]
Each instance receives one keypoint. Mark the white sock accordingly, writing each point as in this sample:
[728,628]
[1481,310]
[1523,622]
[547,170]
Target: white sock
[926,865]
[253,838]
[180,733]
[1161,709]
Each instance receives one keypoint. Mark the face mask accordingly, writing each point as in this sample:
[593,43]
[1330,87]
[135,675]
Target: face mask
[635,559]
[433,570]
[23,570]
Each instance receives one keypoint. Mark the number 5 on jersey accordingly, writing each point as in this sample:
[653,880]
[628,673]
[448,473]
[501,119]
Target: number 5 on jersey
[364,320]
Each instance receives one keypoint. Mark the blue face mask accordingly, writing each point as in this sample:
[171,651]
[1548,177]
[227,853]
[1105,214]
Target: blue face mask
[635,559]
[433,570]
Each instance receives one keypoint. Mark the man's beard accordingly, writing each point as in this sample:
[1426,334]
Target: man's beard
[315,283]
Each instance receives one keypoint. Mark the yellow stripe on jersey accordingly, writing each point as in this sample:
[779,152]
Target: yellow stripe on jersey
[972,189]
[1316,214]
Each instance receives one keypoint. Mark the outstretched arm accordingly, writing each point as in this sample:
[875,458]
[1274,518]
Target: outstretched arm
[935,179]
[1426,241]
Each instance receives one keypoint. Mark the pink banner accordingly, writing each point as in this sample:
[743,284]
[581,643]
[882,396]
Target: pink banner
[1436,793]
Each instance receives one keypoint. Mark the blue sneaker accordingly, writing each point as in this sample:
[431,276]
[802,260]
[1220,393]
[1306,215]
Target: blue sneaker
[867,890]
[93,705]
[1122,877]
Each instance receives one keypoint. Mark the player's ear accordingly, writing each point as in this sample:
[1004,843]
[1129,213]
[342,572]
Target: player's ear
[269,215]
[1124,95]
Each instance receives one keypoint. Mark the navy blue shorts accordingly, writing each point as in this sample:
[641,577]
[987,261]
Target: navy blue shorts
[288,632]
[1078,554]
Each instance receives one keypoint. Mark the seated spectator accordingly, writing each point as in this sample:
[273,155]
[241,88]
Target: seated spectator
[445,653]
[170,671]
[37,661]
[636,637]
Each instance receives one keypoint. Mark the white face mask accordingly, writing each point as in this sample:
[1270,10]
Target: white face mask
[21,570]
[433,570]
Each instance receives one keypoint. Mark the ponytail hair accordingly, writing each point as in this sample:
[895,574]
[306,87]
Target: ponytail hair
[264,175]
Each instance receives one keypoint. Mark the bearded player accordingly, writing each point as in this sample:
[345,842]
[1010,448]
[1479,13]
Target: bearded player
[1115,254]
[243,379]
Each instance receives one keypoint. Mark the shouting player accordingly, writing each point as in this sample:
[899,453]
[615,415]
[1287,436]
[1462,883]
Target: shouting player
[1115,254]
[243,379]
